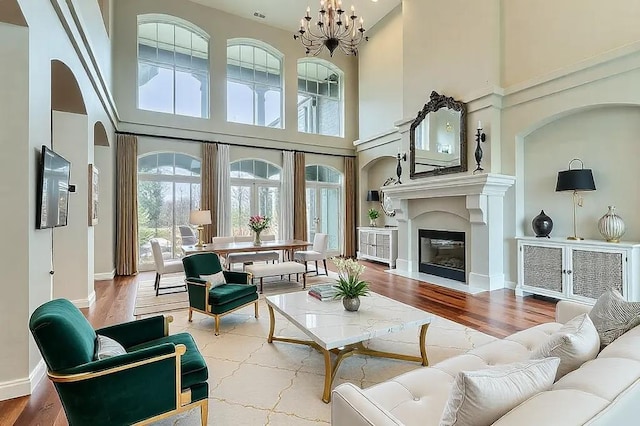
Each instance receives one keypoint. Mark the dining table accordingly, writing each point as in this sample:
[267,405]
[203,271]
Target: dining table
[223,249]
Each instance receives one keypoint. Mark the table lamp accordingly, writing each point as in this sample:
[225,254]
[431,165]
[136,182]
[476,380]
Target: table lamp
[575,180]
[200,218]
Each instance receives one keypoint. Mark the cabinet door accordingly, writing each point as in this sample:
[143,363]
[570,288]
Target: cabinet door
[542,268]
[382,246]
[364,243]
[593,272]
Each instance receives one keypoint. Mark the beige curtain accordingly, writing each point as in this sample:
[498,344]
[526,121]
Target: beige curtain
[209,192]
[126,205]
[299,198]
[350,207]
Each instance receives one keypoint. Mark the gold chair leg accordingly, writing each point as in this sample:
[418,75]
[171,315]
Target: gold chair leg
[204,412]
[217,329]
[190,315]
[256,309]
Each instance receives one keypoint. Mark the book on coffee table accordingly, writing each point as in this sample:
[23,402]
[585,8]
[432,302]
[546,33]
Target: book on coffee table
[323,291]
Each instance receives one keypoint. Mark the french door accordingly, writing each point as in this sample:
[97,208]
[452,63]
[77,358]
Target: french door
[324,214]
[252,199]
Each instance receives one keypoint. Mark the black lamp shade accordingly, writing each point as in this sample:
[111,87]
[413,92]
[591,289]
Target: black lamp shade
[373,196]
[575,180]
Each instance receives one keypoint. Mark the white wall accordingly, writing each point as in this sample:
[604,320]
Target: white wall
[104,231]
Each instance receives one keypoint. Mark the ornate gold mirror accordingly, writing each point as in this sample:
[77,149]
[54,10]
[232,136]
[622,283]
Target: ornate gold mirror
[437,138]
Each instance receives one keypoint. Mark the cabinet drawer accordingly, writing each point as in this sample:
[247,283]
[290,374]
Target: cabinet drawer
[542,267]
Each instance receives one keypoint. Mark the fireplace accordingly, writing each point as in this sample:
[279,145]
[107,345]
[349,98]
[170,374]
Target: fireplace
[442,253]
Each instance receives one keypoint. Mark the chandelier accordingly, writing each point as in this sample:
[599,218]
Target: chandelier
[334,29]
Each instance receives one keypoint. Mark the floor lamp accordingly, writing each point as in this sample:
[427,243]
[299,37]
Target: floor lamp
[575,180]
[200,218]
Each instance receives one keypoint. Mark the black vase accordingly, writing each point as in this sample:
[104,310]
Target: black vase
[542,225]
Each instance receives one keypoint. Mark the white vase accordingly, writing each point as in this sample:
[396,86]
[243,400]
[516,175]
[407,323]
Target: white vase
[611,226]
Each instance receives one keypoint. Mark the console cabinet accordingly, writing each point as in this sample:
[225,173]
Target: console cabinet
[577,270]
[379,244]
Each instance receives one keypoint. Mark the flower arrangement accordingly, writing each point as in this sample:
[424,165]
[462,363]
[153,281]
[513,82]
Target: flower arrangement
[349,284]
[259,223]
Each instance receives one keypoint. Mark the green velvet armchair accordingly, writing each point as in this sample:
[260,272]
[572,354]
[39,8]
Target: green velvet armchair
[158,376]
[220,300]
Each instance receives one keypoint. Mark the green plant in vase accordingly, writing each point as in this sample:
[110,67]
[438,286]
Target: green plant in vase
[373,215]
[349,286]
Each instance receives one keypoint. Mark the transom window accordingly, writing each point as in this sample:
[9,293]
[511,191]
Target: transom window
[173,66]
[254,83]
[168,189]
[255,189]
[320,97]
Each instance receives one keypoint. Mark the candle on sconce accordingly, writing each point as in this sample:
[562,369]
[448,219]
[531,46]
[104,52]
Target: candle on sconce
[308,12]
[479,125]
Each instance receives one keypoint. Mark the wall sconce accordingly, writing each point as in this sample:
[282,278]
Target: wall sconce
[402,157]
[480,137]
[373,195]
[575,180]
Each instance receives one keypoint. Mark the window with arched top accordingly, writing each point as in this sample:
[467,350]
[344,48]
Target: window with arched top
[173,66]
[320,97]
[168,189]
[324,204]
[254,83]
[255,190]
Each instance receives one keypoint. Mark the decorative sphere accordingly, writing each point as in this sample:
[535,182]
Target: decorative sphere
[542,225]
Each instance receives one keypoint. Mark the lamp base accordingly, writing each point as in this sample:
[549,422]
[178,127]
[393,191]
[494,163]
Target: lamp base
[199,242]
[574,238]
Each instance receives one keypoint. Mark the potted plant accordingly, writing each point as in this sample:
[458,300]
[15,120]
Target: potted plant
[258,224]
[349,286]
[373,215]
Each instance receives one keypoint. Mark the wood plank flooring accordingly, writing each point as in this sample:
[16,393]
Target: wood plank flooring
[498,313]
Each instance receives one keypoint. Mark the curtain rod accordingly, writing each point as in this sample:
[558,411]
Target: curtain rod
[178,138]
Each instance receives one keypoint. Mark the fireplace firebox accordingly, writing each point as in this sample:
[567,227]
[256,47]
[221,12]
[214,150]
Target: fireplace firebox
[442,253]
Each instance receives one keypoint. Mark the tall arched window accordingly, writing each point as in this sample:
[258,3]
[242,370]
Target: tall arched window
[168,189]
[324,204]
[254,83]
[255,189]
[173,66]
[320,97]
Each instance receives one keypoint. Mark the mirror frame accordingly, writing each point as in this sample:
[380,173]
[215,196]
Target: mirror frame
[435,103]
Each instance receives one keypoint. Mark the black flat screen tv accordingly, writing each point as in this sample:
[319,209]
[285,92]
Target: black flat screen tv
[53,190]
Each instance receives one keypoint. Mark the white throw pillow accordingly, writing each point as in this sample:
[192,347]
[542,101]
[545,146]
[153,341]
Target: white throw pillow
[106,347]
[481,397]
[613,316]
[574,343]
[214,279]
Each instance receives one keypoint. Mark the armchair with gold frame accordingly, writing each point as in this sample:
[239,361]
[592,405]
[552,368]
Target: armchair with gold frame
[159,376]
[220,300]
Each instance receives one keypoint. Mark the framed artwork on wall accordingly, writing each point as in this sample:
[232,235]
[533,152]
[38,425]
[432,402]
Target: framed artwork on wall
[93,194]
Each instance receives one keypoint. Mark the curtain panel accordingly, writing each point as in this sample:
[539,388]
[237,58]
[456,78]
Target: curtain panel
[209,196]
[287,216]
[126,205]
[350,207]
[224,191]
[299,197]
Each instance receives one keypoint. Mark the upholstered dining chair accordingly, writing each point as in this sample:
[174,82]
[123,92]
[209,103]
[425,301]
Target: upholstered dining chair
[220,295]
[187,235]
[164,267]
[140,376]
[317,252]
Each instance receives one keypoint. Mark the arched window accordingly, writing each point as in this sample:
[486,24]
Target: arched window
[320,97]
[173,66]
[254,83]
[168,189]
[324,204]
[255,189]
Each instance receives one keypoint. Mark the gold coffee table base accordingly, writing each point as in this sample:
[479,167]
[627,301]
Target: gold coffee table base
[330,368]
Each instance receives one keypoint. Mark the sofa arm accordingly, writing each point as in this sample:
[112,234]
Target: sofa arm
[236,277]
[566,310]
[351,407]
[136,332]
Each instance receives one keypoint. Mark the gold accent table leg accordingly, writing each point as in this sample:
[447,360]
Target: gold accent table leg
[328,376]
[272,324]
[423,344]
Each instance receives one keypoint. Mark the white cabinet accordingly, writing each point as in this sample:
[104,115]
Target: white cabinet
[379,244]
[577,270]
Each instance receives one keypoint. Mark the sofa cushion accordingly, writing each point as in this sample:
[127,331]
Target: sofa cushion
[229,292]
[613,316]
[481,397]
[625,346]
[574,343]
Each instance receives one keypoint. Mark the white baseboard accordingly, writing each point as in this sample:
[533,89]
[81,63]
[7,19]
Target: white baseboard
[23,386]
[101,276]
[85,303]
[509,284]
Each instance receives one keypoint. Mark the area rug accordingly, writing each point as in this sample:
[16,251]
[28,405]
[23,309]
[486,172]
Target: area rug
[252,382]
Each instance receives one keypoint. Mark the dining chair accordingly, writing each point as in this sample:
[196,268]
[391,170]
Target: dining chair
[317,252]
[187,235]
[165,267]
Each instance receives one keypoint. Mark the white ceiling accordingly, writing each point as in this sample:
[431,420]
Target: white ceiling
[286,14]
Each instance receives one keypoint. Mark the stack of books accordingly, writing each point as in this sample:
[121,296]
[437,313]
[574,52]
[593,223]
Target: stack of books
[323,291]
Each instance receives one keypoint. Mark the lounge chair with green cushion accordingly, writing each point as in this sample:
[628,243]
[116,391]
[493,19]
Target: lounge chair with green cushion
[157,375]
[216,300]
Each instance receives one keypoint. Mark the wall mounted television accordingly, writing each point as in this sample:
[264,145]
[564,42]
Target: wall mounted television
[53,190]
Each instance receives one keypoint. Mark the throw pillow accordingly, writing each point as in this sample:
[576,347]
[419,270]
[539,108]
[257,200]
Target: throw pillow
[613,316]
[574,343]
[106,347]
[481,397]
[215,279]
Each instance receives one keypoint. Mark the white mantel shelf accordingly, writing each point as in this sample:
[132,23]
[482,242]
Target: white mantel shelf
[452,186]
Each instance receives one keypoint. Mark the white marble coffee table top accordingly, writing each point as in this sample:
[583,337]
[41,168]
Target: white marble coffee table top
[331,326]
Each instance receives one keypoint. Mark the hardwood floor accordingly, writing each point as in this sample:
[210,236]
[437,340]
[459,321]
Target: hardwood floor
[498,313]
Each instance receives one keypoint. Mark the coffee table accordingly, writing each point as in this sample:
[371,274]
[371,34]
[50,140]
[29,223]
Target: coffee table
[334,330]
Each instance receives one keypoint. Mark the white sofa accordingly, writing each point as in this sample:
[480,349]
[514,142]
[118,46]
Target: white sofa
[603,391]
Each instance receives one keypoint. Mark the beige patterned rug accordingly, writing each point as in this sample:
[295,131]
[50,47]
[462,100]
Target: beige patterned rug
[252,382]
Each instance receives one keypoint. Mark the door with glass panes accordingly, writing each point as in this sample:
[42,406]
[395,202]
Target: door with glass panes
[324,205]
